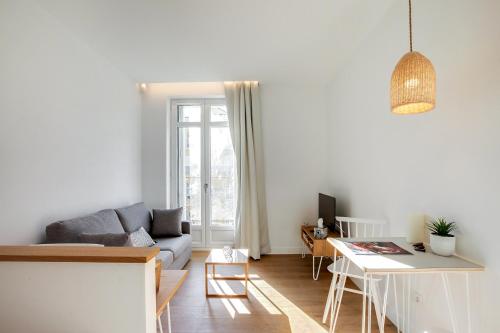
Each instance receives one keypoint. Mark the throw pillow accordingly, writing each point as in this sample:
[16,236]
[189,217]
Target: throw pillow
[141,238]
[135,216]
[107,239]
[167,222]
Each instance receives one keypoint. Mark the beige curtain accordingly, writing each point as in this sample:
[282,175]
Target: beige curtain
[243,105]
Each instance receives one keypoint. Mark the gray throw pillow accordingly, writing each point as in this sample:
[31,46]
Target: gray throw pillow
[108,239]
[141,238]
[135,216]
[167,222]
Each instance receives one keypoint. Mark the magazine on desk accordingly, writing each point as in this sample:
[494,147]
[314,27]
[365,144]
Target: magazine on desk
[373,248]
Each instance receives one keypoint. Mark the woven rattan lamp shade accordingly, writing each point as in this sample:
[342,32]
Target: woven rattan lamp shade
[413,85]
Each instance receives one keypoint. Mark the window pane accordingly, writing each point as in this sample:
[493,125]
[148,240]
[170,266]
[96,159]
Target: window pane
[190,173]
[222,177]
[218,113]
[189,113]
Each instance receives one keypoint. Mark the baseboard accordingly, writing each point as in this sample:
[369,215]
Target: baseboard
[274,250]
[286,250]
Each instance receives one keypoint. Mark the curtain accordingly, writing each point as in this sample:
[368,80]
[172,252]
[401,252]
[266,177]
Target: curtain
[243,106]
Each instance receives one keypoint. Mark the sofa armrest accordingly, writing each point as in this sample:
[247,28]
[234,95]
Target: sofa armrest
[186,227]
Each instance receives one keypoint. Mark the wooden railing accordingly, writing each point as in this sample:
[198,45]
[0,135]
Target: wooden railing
[78,254]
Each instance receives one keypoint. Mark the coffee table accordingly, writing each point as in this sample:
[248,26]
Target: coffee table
[216,257]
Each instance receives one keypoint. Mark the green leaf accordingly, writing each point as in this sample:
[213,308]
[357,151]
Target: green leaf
[441,227]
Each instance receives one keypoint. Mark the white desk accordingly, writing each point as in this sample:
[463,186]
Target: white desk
[415,263]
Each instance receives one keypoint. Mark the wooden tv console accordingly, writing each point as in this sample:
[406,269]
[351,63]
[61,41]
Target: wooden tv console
[318,247]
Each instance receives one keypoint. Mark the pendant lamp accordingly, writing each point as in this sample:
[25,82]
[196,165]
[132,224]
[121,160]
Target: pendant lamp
[413,81]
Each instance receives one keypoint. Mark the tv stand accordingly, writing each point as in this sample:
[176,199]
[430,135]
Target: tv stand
[318,247]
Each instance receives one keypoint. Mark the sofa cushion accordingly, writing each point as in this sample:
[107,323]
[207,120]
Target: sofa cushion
[135,216]
[106,239]
[182,260]
[167,222]
[141,238]
[167,257]
[175,244]
[104,221]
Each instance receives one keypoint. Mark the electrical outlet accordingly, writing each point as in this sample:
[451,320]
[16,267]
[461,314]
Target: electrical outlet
[419,298]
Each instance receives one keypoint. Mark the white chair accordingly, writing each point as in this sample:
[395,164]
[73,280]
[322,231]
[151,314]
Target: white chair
[354,228]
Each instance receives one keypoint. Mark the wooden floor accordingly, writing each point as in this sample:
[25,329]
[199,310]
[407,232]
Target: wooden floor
[283,298]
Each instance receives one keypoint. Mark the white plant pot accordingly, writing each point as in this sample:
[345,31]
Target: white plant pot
[443,246]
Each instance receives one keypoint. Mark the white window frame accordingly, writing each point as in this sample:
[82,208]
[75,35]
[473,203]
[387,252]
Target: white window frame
[205,125]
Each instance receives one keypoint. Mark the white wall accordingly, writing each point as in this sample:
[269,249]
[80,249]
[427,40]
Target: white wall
[78,297]
[155,146]
[295,141]
[443,163]
[69,126]
[294,147]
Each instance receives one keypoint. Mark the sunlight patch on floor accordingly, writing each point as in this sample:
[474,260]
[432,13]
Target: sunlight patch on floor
[299,321]
[263,300]
[230,309]
[269,298]
[237,303]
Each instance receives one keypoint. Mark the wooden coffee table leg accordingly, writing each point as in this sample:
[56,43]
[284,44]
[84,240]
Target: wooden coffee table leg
[206,280]
[246,279]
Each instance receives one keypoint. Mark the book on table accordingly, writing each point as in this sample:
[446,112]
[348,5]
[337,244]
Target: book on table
[373,248]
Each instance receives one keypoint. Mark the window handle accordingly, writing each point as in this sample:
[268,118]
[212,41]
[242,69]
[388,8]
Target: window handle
[206,187]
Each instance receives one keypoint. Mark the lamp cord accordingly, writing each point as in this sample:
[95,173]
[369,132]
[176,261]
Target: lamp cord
[409,23]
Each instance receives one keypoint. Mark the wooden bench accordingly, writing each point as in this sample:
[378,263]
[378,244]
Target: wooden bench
[170,282]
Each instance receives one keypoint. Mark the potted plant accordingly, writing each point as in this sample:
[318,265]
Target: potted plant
[442,239]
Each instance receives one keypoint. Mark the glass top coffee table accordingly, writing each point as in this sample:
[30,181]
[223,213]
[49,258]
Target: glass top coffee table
[239,257]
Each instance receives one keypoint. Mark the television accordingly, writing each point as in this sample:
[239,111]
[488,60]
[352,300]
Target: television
[327,210]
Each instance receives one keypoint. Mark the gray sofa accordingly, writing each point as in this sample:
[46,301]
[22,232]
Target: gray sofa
[175,252]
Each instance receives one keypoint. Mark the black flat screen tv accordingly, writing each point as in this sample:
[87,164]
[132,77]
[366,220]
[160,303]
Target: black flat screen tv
[327,210]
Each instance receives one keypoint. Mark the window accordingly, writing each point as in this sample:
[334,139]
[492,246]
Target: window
[204,169]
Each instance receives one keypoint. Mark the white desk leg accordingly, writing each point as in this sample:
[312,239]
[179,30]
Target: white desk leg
[384,305]
[403,301]
[332,311]
[446,284]
[340,293]
[331,292]
[376,303]
[168,318]
[396,301]
[335,290]
[159,324]
[335,300]
[363,318]
[370,285]
[467,296]
[331,295]
[408,303]
[316,275]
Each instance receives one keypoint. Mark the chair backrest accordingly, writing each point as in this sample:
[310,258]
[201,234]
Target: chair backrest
[354,227]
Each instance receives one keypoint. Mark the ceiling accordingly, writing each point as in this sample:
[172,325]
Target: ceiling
[216,40]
